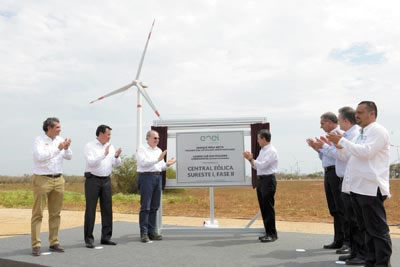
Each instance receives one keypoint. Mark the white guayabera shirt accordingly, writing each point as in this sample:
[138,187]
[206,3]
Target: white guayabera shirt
[368,166]
[351,134]
[147,159]
[47,158]
[96,162]
[267,161]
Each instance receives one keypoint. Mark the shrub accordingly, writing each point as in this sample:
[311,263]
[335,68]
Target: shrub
[171,173]
[124,177]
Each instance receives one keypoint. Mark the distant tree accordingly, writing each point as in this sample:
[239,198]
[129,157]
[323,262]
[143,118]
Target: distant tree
[315,175]
[395,170]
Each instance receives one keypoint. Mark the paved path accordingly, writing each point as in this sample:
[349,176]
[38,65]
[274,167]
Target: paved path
[178,250]
[15,222]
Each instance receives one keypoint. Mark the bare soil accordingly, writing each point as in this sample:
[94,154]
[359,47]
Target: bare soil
[17,222]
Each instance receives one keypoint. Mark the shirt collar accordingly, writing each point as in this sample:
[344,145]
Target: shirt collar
[266,147]
[149,147]
[337,129]
[352,128]
[369,126]
[97,142]
[47,138]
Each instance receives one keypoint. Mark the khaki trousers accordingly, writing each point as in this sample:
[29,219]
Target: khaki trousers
[51,190]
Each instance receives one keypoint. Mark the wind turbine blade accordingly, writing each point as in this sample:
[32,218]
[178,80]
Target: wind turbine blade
[146,96]
[144,52]
[126,87]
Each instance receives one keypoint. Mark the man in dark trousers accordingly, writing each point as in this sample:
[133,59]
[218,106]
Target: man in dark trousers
[332,183]
[266,165]
[100,157]
[368,169]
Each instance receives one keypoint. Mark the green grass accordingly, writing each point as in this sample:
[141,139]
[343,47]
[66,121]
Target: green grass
[24,198]
[126,198]
[16,198]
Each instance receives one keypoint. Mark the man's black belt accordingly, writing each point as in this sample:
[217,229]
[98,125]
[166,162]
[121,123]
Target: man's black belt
[266,176]
[56,175]
[150,173]
[329,168]
[89,174]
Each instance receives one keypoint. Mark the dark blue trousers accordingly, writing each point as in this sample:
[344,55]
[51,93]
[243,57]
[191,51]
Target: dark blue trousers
[150,196]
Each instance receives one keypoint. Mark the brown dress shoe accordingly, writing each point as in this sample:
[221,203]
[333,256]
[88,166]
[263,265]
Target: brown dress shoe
[56,248]
[36,251]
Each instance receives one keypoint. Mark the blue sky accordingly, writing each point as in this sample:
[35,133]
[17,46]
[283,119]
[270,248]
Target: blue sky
[359,54]
[289,61]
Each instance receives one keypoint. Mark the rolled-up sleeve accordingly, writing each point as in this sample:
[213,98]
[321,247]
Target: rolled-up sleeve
[116,161]
[67,154]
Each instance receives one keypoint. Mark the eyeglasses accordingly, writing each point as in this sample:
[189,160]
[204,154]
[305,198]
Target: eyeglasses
[156,138]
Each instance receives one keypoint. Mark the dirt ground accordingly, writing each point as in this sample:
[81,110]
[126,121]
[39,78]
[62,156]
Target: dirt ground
[17,222]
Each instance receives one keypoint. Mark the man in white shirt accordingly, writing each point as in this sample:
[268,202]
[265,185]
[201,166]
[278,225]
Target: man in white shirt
[332,183]
[368,169]
[347,122]
[150,164]
[49,151]
[100,157]
[266,166]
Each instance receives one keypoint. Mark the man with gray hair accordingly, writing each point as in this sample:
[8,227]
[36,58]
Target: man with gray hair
[49,151]
[332,182]
[150,164]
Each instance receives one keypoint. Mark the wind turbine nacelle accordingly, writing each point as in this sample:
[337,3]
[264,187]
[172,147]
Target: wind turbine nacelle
[142,84]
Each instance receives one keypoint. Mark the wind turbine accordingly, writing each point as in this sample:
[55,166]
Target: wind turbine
[141,91]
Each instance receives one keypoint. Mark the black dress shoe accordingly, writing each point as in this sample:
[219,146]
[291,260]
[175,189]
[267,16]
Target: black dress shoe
[346,257]
[108,242]
[155,236]
[36,251]
[144,238]
[344,250]
[333,245]
[261,237]
[56,248]
[355,261]
[89,245]
[267,238]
